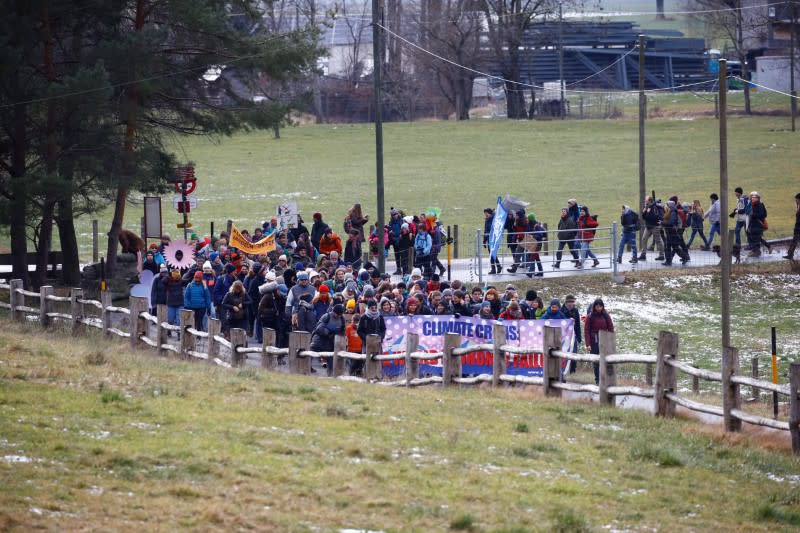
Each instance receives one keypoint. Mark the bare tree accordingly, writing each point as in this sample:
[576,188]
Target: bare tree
[451,29]
[736,22]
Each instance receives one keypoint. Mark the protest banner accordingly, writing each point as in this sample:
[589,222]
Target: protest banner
[237,240]
[432,328]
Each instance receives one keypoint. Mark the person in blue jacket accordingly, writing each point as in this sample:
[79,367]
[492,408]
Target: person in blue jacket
[554,311]
[422,251]
[197,298]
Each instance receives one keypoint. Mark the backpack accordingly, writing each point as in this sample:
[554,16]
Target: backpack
[348,225]
[682,216]
[637,222]
[593,231]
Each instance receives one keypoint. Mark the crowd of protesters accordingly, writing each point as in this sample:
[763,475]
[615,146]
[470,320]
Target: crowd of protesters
[312,281]
[663,225]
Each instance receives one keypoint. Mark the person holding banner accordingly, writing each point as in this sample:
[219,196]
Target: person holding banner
[488,220]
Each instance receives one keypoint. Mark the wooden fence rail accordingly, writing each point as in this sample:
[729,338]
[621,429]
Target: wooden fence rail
[152,331]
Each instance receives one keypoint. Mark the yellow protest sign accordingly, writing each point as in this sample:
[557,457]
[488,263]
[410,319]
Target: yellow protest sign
[237,240]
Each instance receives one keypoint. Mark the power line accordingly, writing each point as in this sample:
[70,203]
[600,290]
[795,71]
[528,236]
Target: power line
[764,87]
[523,84]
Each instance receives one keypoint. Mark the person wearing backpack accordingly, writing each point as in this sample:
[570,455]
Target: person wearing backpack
[422,251]
[532,243]
[675,245]
[629,221]
[652,214]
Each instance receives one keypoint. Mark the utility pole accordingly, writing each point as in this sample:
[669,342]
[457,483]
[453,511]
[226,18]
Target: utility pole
[561,62]
[792,90]
[642,117]
[377,61]
[725,247]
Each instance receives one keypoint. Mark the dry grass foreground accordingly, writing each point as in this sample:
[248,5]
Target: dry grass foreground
[93,436]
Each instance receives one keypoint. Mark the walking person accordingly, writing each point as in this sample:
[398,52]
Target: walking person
[570,310]
[586,231]
[422,251]
[740,213]
[567,231]
[713,216]
[756,224]
[197,298]
[597,321]
[235,309]
[488,220]
[652,215]
[796,237]
[696,219]
[675,245]
[629,221]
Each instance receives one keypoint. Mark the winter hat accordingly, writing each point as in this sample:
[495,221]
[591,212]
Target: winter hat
[271,276]
[404,226]
[447,292]
[256,268]
[153,246]
[324,289]
[348,276]
[531,217]
[555,302]
[213,256]
[412,300]
[351,305]
[302,275]
[369,292]
[338,309]
[313,274]
[230,268]
[755,193]
[530,295]
[416,273]
[299,266]
[198,276]
[207,264]
[282,257]
[486,305]
[163,268]
[572,201]
[317,216]
[569,298]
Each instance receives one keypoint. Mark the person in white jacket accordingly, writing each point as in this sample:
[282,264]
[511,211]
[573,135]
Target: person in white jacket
[713,216]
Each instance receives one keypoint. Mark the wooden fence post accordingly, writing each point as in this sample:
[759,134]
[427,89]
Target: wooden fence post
[340,345]
[45,305]
[238,340]
[214,329]
[229,229]
[412,365]
[731,399]
[138,304]
[373,370]
[16,299]
[455,241]
[794,406]
[105,302]
[608,375]
[299,341]
[268,360]
[76,310]
[665,374]
[95,242]
[498,356]
[695,383]
[451,365]
[161,332]
[187,339]
[552,364]
[648,374]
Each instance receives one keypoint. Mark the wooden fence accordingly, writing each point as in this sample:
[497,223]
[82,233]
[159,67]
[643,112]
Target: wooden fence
[234,352]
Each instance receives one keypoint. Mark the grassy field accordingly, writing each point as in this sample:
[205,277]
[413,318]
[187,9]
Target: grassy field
[463,167]
[95,437]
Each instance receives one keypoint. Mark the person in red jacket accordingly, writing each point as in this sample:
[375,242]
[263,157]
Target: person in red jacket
[597,320]
[586,225]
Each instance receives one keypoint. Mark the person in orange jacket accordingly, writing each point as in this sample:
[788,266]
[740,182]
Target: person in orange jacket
[330,242]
